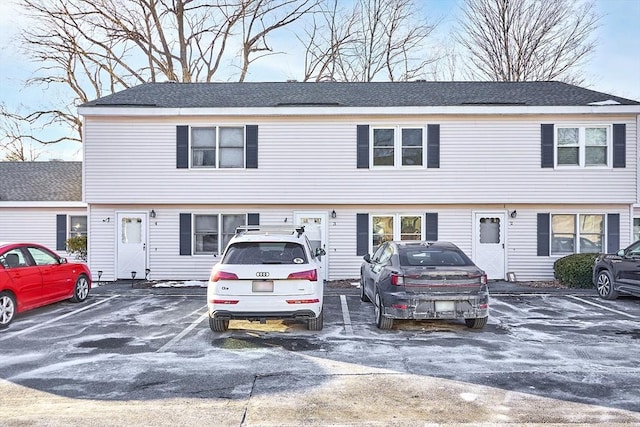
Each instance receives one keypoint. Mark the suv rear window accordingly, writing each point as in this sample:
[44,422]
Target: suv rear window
[432,257]
[265,253]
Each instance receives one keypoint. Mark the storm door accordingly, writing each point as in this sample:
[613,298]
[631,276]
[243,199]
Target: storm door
[315,226]
[131,246]
[489,243]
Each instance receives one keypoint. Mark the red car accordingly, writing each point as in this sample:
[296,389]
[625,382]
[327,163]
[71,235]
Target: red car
[32,276]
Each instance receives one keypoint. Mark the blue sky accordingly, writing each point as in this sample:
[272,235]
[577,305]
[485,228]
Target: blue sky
[614,67]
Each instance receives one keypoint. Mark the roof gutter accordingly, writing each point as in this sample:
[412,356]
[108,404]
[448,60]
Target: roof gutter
[289,111]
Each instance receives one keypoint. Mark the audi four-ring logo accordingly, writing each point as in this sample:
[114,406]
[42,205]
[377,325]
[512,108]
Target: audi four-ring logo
[262,274]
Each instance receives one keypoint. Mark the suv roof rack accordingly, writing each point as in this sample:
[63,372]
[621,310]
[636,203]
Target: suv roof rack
[269,229]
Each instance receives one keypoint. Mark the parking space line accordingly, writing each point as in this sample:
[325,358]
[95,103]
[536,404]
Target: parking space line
[603,307]
[55,319]
[181,335]
[345,315]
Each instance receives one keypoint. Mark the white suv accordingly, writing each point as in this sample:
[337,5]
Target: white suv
[267,273]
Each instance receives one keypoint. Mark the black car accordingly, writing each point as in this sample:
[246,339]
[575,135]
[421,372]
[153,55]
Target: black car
[618,273]
[424,280]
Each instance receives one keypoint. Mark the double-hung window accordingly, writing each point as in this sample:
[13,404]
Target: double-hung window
[77,225]
[582,233]
[398,147]
[212,232]
[583,146]
[395,227]
[217,147]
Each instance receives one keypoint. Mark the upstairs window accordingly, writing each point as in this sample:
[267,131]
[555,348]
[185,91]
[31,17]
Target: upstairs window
[398,147]
[217,147]
[584,146]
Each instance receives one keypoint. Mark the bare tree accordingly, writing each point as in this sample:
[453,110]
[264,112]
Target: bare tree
[14,146]
[371,39]
[91,48]
[519,40]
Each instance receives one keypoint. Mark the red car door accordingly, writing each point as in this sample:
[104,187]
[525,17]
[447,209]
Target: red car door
[57,280]
[24,279]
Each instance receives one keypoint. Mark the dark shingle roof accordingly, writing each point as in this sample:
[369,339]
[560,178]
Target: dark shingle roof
[373,94]
[41,181]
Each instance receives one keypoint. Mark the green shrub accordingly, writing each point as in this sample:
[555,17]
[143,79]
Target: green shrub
[77,245]
[575,270]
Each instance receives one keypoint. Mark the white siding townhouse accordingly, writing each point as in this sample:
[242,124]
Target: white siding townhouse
[41,202]
[516,174]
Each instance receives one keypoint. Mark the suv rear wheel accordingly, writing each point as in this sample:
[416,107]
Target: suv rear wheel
[317,323]
[218,325]
[604,285]
[477,323]
[382,322]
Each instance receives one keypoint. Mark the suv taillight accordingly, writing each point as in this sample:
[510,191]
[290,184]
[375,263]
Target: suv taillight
[223,275]
[397,280]
[310,275]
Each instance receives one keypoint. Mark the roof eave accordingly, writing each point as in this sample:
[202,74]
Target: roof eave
[358,111]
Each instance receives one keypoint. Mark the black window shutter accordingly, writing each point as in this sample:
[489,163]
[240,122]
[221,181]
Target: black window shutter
[363,146]
[61,232]
[546,152]
[253,219]
[613,233]
[433,146]
[251,148]
[362,234]
[185,234]
[619,145]
[182,147]
[543,233]
[431,226]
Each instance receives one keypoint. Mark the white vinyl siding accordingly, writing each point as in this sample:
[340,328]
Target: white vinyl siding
[481,161]
[34,224]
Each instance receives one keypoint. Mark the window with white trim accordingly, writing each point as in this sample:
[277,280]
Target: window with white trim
[396,227]
[217,147]
[583,146]
[577,233]
[636,229]
[212,232]
[77,225]
[398,147]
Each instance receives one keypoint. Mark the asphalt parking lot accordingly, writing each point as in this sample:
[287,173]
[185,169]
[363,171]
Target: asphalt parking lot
[147,356]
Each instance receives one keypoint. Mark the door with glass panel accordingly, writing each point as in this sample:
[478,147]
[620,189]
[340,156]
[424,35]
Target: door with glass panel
[132,245]
[315,227]
[489,243]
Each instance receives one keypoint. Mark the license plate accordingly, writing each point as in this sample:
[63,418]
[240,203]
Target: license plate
[445,306]
[262,286]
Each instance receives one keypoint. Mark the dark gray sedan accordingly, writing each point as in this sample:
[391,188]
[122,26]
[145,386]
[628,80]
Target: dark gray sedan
[424,280]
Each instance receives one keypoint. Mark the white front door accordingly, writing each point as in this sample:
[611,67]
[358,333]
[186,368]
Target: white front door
[132,245]
[489,243]
[315,227]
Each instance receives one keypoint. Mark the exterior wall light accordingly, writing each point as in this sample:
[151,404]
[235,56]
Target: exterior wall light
[513,213]
[152,214]
[333,214]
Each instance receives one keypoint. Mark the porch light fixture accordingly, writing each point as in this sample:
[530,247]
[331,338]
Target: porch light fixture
[152,214]
[333,214]
[513,213]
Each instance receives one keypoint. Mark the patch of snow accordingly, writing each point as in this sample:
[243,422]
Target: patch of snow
[179,284]
[607,102]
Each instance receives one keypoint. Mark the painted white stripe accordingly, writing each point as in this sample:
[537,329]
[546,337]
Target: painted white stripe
[55,319]
[182,334]
[345,315]
[622,313]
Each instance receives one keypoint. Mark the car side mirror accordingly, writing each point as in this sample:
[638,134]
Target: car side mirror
[367,258]
[319,252]
[62,261]
[620,252]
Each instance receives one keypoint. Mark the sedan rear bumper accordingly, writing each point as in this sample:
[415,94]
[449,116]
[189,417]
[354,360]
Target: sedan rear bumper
[406,306]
